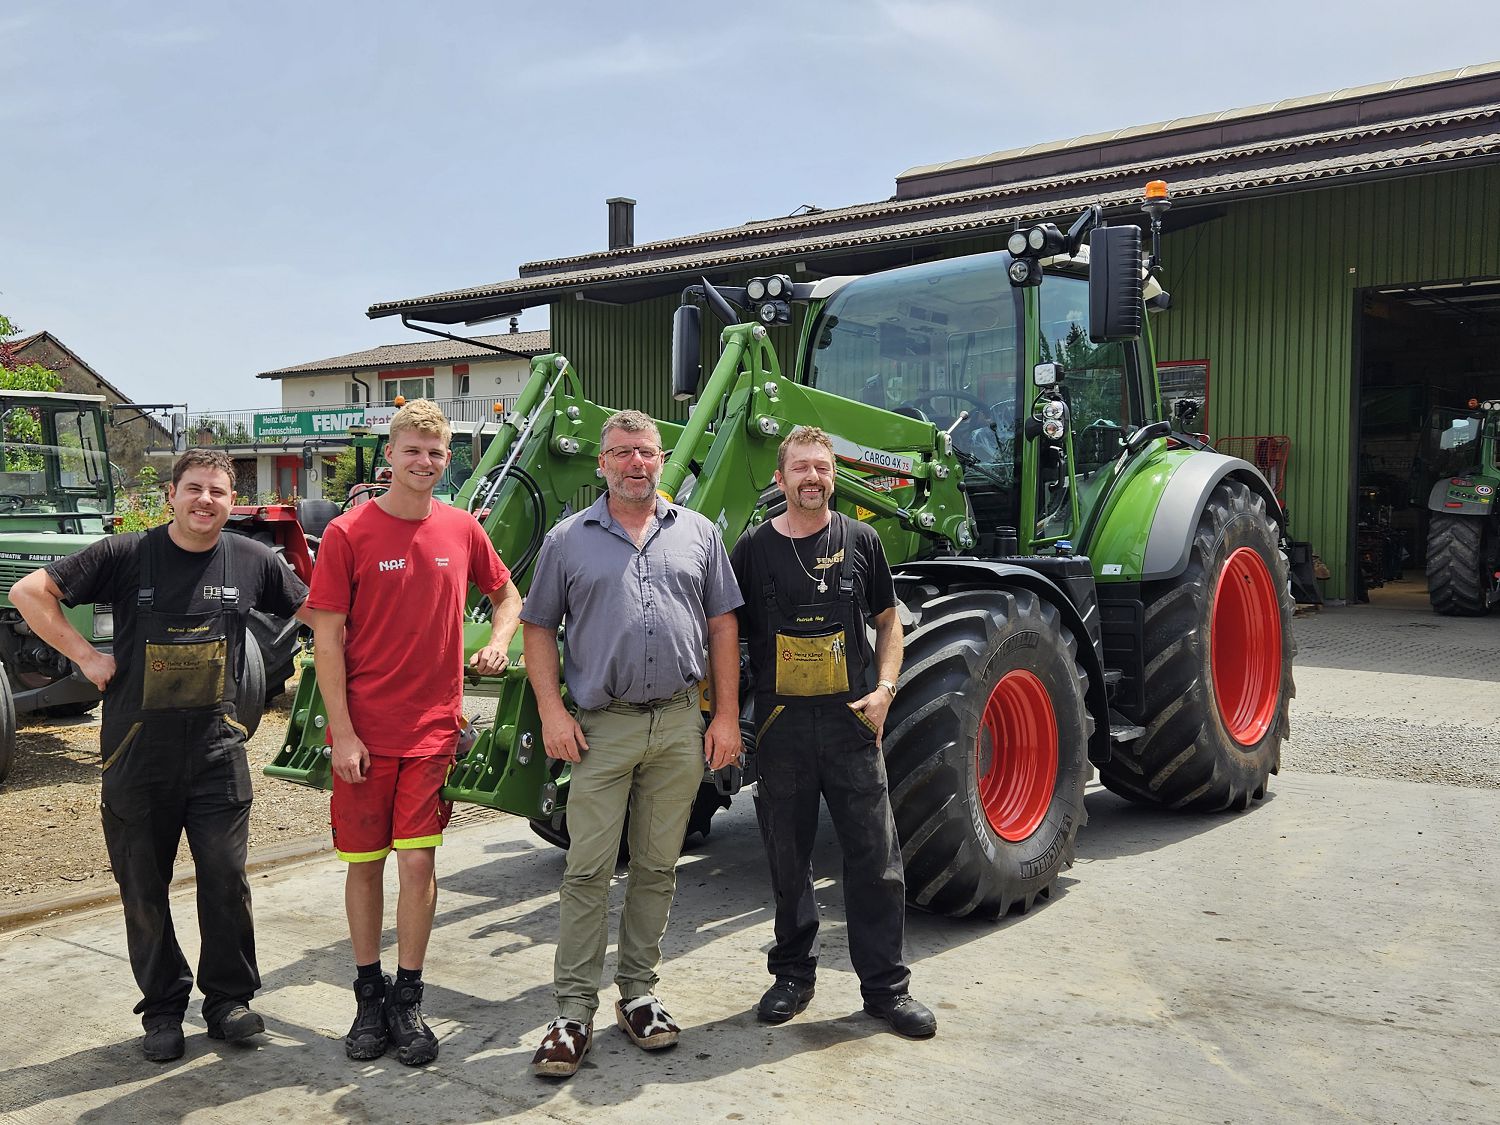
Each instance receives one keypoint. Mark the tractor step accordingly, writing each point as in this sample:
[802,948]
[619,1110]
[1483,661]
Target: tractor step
[1122,729]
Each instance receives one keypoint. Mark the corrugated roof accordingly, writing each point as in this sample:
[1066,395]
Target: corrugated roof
[433,351]
[1255,168]
[1355,93]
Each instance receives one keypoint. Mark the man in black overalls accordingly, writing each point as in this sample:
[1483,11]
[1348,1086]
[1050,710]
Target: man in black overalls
[811,578]
[173,755]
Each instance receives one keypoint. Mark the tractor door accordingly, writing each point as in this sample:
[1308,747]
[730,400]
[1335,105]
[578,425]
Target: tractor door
[1102,389]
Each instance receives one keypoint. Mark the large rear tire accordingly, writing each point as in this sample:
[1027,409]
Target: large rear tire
[986,748]
[1458,584]
[1218,666]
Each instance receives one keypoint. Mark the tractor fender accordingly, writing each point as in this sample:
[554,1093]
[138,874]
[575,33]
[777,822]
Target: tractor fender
[1082,620]
[1182,501]
[1460,500]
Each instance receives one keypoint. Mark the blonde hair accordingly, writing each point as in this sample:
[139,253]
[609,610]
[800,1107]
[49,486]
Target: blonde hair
[423,416]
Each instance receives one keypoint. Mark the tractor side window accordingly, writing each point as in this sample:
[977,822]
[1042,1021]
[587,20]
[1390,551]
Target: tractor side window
[1095,383]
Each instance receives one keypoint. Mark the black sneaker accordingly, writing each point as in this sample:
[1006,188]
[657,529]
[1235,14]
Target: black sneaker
[784,999]
[235,1024]
[414,1041]
[368,1038]
[906,1016]
[163,1041]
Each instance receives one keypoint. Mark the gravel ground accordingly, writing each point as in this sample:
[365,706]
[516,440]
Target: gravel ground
[49,809]
[1382,746]
[49,818]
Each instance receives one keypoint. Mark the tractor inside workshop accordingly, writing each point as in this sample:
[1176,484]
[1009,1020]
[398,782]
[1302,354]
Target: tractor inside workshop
[1460,448]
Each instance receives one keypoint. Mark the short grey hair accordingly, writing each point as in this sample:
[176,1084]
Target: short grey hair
[630,422]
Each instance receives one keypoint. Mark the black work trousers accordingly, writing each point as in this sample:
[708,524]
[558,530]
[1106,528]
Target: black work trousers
[170,775]
[812,752]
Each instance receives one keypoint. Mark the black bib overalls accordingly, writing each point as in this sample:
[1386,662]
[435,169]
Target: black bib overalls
[174,760]
[811,745]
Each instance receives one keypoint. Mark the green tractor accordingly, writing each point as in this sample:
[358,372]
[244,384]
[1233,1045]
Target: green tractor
[1082,587]
[1463,540]
[56,498]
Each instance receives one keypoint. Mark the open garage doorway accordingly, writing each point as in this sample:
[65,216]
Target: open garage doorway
[1420,348]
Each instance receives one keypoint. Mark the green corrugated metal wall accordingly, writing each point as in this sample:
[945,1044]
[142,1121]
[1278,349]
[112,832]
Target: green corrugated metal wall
[1266,294]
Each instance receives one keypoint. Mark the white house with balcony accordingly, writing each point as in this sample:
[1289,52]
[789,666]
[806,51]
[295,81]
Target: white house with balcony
[291,449]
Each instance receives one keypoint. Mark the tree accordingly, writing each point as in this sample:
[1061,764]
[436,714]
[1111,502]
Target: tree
[16,375]
[22,426]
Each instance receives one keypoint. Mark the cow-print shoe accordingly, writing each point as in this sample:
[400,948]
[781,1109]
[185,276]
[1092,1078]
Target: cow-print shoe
[646,1022]
[562,1049]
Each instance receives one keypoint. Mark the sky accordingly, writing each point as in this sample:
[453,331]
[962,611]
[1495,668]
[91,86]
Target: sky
[192,193]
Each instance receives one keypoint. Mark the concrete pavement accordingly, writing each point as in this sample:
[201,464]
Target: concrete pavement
[1327,955]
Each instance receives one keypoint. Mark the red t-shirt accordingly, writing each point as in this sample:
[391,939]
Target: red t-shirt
[402,585]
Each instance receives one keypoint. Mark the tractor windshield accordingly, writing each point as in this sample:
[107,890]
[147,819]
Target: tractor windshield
[54,461]
[1451,442]
[933,341]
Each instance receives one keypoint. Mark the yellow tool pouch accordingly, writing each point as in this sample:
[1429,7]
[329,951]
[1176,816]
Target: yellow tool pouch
[184,675]
[807,666]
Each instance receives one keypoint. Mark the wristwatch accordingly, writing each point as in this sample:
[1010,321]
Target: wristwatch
[890,686]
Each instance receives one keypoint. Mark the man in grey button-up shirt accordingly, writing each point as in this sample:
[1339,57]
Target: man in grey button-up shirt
[649,598]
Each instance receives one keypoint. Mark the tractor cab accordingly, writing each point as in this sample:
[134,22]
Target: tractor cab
[55,473]
[1036,408]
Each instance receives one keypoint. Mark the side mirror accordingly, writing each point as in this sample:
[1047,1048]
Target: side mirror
[1116,307]
[687,352]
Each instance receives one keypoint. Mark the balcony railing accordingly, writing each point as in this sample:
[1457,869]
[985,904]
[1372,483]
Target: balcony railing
[295,426]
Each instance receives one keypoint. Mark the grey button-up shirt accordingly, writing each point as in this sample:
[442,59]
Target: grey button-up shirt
[637,619]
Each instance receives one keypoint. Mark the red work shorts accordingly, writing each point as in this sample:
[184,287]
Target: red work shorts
[397,805]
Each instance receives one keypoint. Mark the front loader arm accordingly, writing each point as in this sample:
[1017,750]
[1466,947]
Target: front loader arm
[542,465]
[898,469]
[538,468]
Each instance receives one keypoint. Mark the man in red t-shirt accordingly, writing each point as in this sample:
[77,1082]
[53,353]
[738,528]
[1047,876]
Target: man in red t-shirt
[388,597]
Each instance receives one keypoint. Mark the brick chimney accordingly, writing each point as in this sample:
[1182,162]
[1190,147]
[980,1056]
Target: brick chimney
[621,222]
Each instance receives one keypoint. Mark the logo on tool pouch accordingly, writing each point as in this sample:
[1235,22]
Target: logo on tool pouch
[392,564]
[158,666]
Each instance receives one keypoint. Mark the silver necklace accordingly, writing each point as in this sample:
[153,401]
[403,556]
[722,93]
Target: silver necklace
[820,584]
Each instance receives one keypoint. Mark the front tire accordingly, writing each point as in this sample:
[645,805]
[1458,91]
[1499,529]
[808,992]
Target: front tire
[1458,584]
[7,725]
[986,748]
[1218,666]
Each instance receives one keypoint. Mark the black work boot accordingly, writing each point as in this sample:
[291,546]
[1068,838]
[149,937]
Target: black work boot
[368,1038]
[163,1041]
[235,1024]
[784,999]
[414,1041]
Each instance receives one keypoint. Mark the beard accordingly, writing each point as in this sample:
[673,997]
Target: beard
[810,503]
[635,489]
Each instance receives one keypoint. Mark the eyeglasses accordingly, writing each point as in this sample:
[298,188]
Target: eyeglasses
[623,453]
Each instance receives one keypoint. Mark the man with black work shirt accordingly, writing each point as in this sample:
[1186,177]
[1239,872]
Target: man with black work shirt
[812,578]
[174,757]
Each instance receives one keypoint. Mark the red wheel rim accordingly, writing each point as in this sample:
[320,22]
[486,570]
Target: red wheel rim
[1245,635]
[1017,755]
